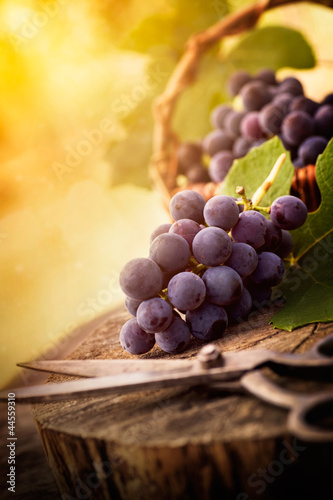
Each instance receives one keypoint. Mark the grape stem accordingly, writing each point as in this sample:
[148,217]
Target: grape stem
[262,190]
[245,201]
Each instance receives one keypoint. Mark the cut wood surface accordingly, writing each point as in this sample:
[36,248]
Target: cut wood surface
[184,443]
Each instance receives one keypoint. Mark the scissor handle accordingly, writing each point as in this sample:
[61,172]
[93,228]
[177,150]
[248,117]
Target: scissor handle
[311,419]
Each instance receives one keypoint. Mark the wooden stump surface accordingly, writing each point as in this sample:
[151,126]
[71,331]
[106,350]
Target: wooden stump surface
[184,443]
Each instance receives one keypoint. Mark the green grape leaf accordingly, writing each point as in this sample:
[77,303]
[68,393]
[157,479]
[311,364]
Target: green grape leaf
[251,171]
[308,286]
[273,47]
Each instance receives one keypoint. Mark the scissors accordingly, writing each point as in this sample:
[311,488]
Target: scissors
[309,414]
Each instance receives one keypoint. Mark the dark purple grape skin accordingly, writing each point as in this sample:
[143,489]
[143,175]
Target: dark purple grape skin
[272,239]
[171,252]
[240,310]
[250,126]
[223,285]
[283,101]
[186,291]
[288,212]
[197,173]
[328,99]
[291,85]
[187,204]
[269,271]
[218,115]
[132,305]
[188,154]
[243,259]
[302,103]
[237,80]
[260,295]
[286,245]
[154,315]
[311,148]
[187,228]
[297,162]
[208,322]
[175,338]
[217,140]
[221,211]
[141,279]
[270,118]
[241,147]
[232,122]
[251,228]
[135,340]
[324,121]
[297,126]
[267,76]
[211,246]
[255,95]
[220,165]
[161,229]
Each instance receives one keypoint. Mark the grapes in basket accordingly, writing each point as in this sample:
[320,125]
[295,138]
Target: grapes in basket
[262,108]
[210,268]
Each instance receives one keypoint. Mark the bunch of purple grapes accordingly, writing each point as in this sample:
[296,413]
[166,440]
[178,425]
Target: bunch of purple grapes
[208,269]
[269,108]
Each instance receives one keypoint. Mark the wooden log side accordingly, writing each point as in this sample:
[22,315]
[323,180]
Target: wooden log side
[179,443]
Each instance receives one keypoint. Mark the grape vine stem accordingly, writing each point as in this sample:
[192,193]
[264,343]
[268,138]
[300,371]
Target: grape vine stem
[262,190]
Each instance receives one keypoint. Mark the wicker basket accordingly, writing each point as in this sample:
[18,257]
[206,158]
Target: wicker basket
[163,165]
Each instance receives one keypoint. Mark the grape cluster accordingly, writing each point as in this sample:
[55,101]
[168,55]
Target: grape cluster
[268,108]
[208,269]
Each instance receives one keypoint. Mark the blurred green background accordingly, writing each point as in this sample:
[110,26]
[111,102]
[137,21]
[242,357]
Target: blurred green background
[77,84]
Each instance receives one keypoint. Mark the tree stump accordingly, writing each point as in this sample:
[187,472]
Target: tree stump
[184,443]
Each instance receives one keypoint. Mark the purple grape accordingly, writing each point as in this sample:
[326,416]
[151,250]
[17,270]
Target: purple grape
[255,95]
[267,76]
[175,338]
[241,147]
[302,103]
[188,154]
[187,204]
[171,252]
[135,340]
[161,229]
[270,118]
[219,114]
[197,173]
[297,126]
[260,295]
[208,322]
[324,121]
[283,101]
[291,85]
[154,315]
[239,310]
[187,228]
[251,127]
[223,285]
[297,162]
[141,279]
[132,305]
[211,246]
[272,239]
[251,228]
[311,148]
[285,246]
[186,291]
[269,271]
[243,259]
[221,211]
[288,212]
[232,122]
[220,165]
[217,140]
[237,80]
[328,99]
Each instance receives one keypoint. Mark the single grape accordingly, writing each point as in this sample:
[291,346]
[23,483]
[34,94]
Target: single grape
[208,322]
[241,147]
[217,140]
[175,338]
[154,315]
[186,291]
[328,99]
[270,118]
[141,279]
[298,163]
[187,204]
[288,212]
[272,239]
[302,103]
[266,75]
[239,310]
[232,122]
[219,114]
[187,228]
[223,285]
[171,252]
[297,126]
[237,80]
[197,173]
[211,246]
[324,121]
[286,244]
[255,95]
[283,101]
[311,148]
[135,340]
[251,228]
[250,126]
[269,271]
[161,229]
[291,85]
[132,305]
[221,211]
[243,259]
[219,165]
[188,154]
